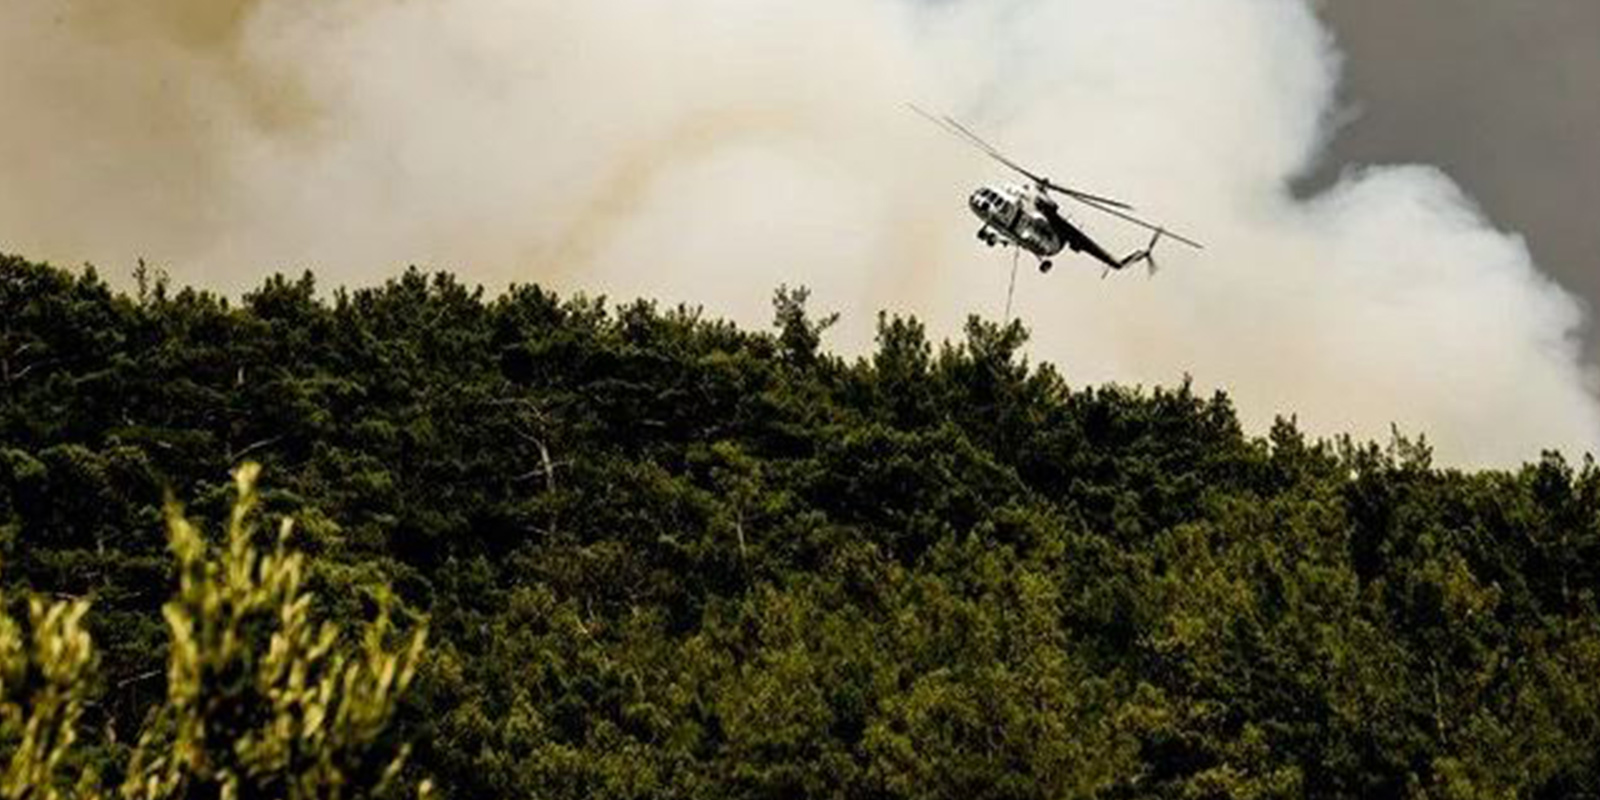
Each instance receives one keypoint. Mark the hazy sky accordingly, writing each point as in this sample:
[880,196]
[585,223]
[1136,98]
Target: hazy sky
[709,150]
[1503,95]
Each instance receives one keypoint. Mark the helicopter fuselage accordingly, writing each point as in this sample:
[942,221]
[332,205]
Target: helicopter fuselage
[1027,218]
[1013,213]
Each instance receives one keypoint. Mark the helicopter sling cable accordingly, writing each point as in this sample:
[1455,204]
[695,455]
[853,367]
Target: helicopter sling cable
[1011,291]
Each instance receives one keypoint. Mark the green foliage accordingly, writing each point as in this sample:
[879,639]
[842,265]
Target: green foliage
[261,701]
[663,557]
[799,336]
[43,673]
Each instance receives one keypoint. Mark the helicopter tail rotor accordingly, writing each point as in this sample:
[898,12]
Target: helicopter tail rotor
[1147,256]
[1150,253]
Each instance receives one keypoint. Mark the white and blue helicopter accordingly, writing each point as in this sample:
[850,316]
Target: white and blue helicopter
[1029,218]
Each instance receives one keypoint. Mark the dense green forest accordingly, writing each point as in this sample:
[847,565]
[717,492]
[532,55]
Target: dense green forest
[659,556]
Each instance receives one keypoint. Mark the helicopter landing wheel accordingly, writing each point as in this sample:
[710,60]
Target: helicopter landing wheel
[1044,267]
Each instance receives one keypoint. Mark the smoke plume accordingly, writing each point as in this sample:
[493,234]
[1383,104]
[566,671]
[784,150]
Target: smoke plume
[709,150]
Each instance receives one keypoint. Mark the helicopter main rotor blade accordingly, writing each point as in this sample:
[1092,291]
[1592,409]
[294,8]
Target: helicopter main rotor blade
[954,127]
[1043,182]
[959,131]
[953,130]
[1141,223]
[1086,197]
[988,148]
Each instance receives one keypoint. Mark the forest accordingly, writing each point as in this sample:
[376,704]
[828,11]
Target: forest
[660,556]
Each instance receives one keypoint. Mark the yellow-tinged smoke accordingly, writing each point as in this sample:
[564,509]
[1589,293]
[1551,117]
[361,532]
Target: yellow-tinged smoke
[708,150]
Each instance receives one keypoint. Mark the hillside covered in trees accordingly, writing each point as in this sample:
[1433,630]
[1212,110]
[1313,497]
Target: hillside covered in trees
[662,557]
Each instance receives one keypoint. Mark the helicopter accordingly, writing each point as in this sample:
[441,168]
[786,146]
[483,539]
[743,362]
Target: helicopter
[1028,217]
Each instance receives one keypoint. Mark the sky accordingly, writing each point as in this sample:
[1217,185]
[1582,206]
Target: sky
[707,151]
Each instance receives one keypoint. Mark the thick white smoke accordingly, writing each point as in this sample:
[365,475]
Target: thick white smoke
[709,150]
